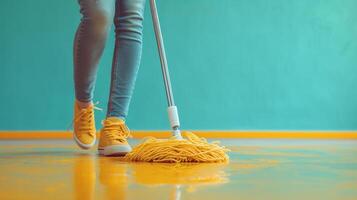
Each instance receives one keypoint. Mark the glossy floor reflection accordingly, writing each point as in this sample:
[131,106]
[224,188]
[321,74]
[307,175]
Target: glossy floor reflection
[259,169]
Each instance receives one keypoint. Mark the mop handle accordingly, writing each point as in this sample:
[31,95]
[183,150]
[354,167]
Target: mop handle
[172,109]
[162,54]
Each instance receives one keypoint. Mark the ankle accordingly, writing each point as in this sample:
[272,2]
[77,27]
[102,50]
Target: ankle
[83,104]
[115,118]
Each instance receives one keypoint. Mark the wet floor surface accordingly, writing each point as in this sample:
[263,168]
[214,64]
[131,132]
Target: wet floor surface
[258,169]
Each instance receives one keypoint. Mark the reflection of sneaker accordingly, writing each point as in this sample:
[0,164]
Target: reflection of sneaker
[113,138]
[113,177]
[84,177]
[84,126]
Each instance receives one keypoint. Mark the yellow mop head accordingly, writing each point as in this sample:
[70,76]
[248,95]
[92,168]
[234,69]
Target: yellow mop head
[172,150]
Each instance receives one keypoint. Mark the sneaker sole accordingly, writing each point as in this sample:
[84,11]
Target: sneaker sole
[115,150]
[82,145]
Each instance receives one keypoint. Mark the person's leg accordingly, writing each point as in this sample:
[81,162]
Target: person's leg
[92,32]
[97,16]
[128,21]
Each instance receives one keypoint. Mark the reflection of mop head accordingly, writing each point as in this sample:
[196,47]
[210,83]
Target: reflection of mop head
[189,174]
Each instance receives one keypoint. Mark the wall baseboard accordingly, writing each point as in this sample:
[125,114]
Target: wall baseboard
[331,135]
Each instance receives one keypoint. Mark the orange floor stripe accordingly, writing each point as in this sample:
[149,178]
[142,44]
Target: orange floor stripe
[11,135]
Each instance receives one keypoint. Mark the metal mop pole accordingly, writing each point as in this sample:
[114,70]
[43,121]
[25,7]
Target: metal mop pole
[172,109]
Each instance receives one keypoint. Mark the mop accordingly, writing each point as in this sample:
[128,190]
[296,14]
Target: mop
[176,149]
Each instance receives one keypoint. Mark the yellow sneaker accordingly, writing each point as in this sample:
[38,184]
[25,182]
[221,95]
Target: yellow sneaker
[113,136]
[84,132]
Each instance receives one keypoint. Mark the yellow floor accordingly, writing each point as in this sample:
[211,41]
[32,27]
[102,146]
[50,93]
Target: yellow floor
[259,169]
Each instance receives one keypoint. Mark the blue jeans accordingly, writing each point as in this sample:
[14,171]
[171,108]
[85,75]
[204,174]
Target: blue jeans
[89,42]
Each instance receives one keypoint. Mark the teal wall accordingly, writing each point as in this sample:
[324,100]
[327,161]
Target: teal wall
[235,64]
